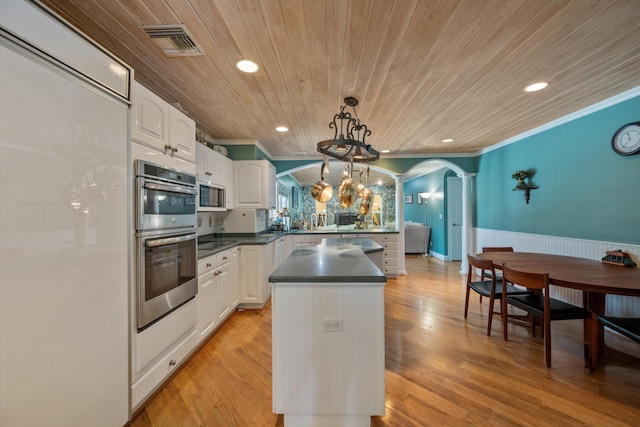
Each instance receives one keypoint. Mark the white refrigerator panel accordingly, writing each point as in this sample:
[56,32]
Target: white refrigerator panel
[63,249]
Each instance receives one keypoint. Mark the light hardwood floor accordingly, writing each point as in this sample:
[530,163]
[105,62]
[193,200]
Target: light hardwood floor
[440,369]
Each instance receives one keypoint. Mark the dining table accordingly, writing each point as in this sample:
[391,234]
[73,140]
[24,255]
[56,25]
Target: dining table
[596,279]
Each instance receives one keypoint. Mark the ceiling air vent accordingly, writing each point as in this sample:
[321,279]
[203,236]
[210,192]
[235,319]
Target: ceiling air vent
[173,40]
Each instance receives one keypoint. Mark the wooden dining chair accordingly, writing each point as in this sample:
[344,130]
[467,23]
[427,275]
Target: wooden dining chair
[489,288]
[495,249]
[626,326]
[538,304]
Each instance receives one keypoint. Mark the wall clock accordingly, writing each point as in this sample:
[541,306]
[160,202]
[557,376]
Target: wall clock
[626,140]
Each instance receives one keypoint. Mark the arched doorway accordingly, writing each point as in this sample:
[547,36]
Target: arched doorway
[425,167]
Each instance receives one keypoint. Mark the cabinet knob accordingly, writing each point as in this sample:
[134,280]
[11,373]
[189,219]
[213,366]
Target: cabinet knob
[224,258]
[172,362]
[208,264]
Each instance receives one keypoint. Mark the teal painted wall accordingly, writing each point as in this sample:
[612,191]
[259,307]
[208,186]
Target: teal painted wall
[436,184]
[246,152]
[586,190]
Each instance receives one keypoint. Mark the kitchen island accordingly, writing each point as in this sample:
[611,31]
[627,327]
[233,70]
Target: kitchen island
[328,335]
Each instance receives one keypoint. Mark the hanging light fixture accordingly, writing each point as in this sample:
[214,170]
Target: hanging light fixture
[348,143]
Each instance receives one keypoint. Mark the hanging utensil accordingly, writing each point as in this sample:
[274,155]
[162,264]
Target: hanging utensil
[347,192]
[365,202]
[321,191]
[360,184]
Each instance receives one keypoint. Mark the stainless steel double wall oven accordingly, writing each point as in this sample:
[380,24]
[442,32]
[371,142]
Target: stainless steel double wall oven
[166,240]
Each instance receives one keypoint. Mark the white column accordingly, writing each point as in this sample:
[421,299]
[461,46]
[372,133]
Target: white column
[400,222]
[467,236]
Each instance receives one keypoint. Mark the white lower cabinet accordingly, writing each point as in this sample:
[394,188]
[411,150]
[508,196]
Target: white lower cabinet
[257,262]
[389,241]
[160,349]
[281,250]
[217,290]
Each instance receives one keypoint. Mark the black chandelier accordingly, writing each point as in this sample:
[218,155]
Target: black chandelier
[349,144]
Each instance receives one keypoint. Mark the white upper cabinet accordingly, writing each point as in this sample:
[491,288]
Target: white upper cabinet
[254,184]
[215,169]
[182,135]
[157,124]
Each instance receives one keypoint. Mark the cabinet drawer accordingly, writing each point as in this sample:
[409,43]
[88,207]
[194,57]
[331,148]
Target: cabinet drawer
[214,261]
[156,339]
[390,261]
[207,264]
[381,238]
[154,377]
[305,239]
[389,245]
[391,271]
[390,254]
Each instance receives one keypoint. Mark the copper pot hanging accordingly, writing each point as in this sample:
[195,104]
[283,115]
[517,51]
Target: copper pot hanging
[348,191]
[365,202]
[321,191]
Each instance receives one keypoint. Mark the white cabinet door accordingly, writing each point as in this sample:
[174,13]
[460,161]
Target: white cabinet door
[257,265]
[223,292]
[226,179]
[158,125]
[254,184]
[206,298]
[234,277]
[149,118]
[182,135]
[251,261]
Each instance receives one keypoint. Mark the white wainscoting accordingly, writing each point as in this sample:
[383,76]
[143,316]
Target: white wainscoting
[590,249]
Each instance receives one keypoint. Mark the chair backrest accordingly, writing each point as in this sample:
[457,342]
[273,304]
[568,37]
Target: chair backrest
[482,264]
[526,279]
[497,249]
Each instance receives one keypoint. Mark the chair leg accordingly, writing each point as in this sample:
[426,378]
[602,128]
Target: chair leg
[593,342]
[547,341]
[466,302]
[491,301]
[534,320]
[505,316]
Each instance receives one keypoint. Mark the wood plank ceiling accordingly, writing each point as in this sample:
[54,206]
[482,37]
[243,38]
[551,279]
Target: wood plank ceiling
[423,70]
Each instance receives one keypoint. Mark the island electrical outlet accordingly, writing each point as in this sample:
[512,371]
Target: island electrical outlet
[332,325]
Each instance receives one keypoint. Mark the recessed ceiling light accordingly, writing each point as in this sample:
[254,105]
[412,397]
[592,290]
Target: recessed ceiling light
[385,151]
[282,128]
[536,86]
[247,66]
[447,140]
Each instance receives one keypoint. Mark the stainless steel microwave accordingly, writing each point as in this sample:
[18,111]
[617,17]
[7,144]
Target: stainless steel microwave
[212,198]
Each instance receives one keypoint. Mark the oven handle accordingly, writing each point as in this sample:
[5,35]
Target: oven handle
[169,240]
[170,188]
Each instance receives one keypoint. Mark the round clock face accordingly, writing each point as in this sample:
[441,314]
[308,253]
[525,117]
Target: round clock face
[626,140]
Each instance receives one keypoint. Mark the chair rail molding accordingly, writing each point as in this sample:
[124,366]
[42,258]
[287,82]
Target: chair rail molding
[622,306]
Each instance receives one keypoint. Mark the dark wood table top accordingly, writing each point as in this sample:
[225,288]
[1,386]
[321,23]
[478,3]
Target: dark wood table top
[571,272]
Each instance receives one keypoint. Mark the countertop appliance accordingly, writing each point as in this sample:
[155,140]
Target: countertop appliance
[212,197]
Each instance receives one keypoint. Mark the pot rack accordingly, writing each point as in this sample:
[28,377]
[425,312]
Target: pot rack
[348,143]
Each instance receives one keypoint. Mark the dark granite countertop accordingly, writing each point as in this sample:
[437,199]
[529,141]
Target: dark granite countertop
[211,244]
[344,231]
[334,260]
